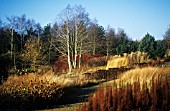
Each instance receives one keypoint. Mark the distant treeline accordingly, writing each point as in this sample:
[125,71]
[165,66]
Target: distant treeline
[26,44]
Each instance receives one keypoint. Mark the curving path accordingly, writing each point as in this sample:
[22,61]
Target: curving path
[70,102]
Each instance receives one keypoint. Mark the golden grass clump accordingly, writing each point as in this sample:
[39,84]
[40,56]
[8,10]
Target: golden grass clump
[143,74]
[127,59]
[117,62]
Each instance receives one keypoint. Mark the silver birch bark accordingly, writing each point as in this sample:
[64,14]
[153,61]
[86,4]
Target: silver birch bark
[68,46]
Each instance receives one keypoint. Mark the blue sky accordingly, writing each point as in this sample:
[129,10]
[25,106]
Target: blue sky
[136,17]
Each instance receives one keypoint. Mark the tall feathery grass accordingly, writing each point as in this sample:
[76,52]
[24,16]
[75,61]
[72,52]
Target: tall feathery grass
[130,97]
[139,89]
[145,74]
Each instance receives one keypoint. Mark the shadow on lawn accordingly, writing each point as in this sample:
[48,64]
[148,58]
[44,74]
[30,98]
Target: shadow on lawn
[72,95]
[77,94]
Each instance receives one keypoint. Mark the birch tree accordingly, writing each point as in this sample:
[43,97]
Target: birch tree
[64,34]
[70,37]
[11,25]
[81,21]
[21,23]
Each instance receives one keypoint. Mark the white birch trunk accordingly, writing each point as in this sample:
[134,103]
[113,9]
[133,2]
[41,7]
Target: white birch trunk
[75,47]
[12,39]
[68,48]
[94,44]
[107,46]
[80,53]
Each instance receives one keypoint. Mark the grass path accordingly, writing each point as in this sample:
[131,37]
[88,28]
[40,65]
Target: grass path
[71,101]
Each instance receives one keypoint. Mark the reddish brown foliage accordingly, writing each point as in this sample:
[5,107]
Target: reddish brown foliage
[96,61]
[130,97]
[61,64]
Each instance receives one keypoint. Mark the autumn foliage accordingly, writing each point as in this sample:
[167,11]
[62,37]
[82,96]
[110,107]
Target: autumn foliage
[29,92]
[134,97]
[61,65]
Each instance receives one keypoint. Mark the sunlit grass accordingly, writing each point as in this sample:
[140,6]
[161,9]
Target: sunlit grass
[145,74]
[30,90]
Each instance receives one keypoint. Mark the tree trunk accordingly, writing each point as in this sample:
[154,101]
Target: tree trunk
[14,59]
[12,45]
[68,49]
[13,49]
[22,38]
[21,41]
[38,39]
[80,54]
[75,48]
[49,56]
[107,46]
[94,44]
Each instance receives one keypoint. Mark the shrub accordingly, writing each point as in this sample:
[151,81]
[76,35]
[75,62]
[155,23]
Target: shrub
[28,92]
[130,97]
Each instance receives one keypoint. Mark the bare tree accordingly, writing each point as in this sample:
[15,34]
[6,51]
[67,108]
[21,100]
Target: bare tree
[74,20]
[96,36]
[21,23]
[93,35]
[38,31]
[110,40]
[11,25]
[81,21]
[66,18]
[83,41]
